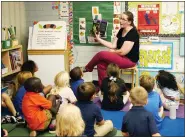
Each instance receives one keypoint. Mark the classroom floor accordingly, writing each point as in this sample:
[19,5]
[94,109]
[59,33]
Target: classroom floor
[169,127]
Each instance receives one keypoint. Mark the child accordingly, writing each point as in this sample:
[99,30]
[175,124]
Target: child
[37,110]
[76,75]
[31,66]
[170,95]
[62,88]
[7,102]
[138,121]
[115,94]
[91,112]
[20,90]
[154,100]
[65,122]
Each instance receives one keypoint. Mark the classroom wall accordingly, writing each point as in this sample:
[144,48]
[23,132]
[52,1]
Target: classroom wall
[13,13]
[42,11]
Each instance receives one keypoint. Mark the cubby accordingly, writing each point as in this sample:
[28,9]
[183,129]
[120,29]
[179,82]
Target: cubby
[12,59]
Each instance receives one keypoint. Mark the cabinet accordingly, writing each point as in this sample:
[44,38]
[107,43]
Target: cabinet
[11,60]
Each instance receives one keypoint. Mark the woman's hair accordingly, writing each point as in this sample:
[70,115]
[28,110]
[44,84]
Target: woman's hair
[33,84]
[61,80]
[113,74]
[130,17]
[138,96]
[20,79]
[29,65]
[85,91]
[70,122]
[76,73]
[165,79]
[147,82]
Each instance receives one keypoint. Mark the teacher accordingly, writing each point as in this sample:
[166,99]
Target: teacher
[124,51]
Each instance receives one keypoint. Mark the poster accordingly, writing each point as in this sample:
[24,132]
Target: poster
[49,35]
[156,56]
[148,19]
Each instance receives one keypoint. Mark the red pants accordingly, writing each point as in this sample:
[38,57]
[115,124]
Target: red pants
[103,58]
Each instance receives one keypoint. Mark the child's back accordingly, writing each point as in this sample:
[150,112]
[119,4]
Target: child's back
[138,122]
[76,79]
[153,105]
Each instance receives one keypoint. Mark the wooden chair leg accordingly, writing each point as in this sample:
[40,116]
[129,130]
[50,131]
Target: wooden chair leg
[132,78]
[137,81]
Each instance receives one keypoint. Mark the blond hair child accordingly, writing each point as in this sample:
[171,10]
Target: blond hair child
[65,121]
[62,88]
[154,104]
[20,90]
[138,121]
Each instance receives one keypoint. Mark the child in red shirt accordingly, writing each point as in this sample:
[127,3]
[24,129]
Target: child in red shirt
[38,110]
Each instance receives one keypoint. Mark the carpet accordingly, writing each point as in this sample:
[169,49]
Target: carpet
[169,127]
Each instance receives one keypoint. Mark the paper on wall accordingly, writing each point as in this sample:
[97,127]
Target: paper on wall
[182,23]
[64,9]
[30,37]
[117,7]
[95,11]
[82,28]
[116,24]
[169,8]
[181,7]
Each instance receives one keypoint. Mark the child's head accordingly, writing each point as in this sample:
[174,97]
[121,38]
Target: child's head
[113,74]
[33,84]
[76,73]
[147,82]
[29,65]
[86,91]
[21,78]
[70,122]
[113,70]
[165,79]
[138,96]
[62,79]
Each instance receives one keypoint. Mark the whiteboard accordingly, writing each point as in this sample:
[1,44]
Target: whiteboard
[49,66]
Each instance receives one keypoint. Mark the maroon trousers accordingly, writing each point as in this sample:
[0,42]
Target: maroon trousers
[103,58]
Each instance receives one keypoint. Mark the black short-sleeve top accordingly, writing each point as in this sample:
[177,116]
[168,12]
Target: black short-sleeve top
[133,36]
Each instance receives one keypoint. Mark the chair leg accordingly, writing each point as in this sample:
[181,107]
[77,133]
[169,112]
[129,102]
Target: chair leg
[132,78]
[137,81]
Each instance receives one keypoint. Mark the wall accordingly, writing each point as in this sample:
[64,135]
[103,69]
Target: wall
[13,13]
[42,11]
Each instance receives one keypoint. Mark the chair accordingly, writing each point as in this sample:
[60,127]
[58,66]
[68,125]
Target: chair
[133,71]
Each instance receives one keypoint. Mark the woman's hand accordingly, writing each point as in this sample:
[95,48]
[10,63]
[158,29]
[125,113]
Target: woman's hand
[97,36]
[112,50]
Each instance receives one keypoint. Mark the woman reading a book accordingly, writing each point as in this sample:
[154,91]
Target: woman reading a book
[124,51]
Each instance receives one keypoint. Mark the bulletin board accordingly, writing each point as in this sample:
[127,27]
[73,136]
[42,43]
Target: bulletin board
[157,55]
[170,21]
[84,10]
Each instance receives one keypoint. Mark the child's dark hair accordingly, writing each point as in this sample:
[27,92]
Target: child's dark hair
[85,91]
[76,73]
[165,79]
[113,74]
[33,84]
[29,66]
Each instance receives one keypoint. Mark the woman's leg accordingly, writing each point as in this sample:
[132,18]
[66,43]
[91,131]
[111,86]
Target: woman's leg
[103,58]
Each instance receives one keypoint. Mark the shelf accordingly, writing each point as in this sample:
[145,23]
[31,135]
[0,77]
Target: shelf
[15,47]
[10,73]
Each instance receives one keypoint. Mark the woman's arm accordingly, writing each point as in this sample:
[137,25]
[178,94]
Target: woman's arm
[125,49]
[107,43]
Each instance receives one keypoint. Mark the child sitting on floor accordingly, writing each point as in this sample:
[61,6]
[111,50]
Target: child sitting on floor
[138,122]
[170,93]
[91,113]
[20,90]
[154,104]
[38,111]
[115,94]
[76,75]
[31,66]
[65,122]
[62,88]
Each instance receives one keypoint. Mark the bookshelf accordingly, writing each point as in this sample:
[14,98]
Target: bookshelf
[11,60]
